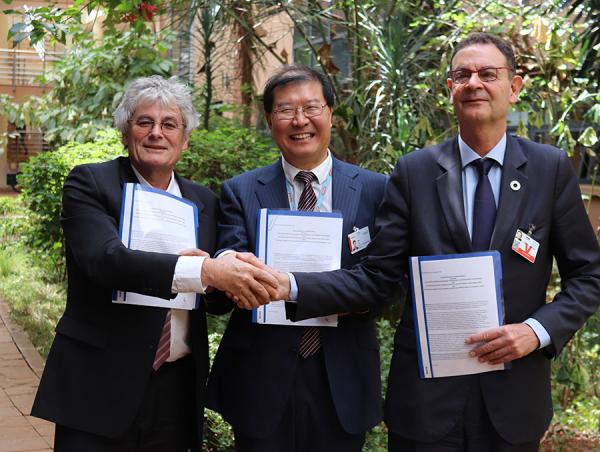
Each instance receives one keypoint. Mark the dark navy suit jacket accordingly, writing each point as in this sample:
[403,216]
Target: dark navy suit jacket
[423,214]
[253,373]
[100,362]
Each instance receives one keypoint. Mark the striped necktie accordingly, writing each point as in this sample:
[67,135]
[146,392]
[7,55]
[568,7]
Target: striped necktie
[310,342]
[164,343]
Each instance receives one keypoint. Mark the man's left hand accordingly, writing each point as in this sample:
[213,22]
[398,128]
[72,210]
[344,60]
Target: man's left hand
[503,344]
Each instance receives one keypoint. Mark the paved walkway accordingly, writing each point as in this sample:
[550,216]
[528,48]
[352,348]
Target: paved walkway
[20,370]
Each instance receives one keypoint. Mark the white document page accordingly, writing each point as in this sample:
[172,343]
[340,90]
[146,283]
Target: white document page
[454,297]
[154,220]
[297,241]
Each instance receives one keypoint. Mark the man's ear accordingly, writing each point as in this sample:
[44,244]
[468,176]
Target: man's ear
[515,87]
[268,118]
[124,140]
[449,83]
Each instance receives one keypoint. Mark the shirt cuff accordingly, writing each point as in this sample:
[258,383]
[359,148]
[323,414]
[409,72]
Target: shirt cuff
[224,253]
[188,275]
[293,289]
[539,331]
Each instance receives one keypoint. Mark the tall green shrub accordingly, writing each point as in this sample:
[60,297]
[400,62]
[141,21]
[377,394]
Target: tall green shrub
[42,179]
[216,155]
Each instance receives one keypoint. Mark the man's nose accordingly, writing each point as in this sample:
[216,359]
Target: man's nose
[300,118]
[474,80]
[156,130]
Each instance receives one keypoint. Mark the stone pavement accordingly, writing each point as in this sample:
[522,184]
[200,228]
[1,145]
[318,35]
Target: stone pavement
[20,370]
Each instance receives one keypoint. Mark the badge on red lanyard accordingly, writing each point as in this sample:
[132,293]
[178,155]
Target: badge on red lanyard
[524,245]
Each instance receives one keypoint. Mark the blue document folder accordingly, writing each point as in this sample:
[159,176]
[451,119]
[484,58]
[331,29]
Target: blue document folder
[454,296]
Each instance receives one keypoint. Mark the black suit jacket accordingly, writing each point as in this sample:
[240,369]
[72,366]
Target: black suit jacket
[252,376]
[101,358]
[423,214]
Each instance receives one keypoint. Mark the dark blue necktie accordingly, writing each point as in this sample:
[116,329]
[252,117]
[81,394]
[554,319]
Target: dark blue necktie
[484,207]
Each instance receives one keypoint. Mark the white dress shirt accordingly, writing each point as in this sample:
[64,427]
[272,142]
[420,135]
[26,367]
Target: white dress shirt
[322,191]
[187,278]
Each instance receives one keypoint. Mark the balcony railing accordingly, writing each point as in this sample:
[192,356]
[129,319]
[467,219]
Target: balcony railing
[21,67]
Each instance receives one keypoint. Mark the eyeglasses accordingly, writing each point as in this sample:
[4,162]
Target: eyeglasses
[485,74]
[168,127]
[309,111]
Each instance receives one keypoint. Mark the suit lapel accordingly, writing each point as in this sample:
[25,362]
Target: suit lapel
[188,193]
[126,174]
[271,190]
[511,201]
[449,188]
[346,192]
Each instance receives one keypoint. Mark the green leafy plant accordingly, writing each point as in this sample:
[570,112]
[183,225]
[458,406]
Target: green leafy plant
[42,179]
[36,302]
[228,150]
[218,433]
[86,85]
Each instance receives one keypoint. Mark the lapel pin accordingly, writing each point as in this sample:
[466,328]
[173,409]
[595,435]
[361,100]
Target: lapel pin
[515,185]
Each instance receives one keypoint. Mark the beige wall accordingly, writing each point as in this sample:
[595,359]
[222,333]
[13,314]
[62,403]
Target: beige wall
[278,34]
[28,64]
[593,205]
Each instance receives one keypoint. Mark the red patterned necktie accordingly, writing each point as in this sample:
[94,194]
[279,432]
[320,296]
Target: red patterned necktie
[310,342]
[164,343]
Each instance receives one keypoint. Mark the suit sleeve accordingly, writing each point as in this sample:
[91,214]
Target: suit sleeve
[94,247]
[577,254]
[232,227]
[378,277]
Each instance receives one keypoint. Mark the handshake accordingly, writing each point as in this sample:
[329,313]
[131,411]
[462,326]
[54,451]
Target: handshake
[244,278]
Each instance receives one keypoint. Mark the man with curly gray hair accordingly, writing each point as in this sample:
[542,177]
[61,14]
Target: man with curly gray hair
[124,377]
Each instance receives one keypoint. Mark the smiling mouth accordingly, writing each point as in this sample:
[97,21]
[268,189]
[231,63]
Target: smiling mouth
[302,136]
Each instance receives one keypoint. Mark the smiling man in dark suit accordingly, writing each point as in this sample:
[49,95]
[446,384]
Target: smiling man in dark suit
[288,388]
[124,377]
[472,193]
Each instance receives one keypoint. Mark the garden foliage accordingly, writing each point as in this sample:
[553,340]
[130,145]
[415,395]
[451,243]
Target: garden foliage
[42,179]
[395,101]
[219,154]
[86,85]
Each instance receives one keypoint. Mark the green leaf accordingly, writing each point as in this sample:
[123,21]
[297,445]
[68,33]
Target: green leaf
[16,28]
[588,138]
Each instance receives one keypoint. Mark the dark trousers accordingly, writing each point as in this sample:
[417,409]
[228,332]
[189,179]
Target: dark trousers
[165,422]
[309,422]
[473,432]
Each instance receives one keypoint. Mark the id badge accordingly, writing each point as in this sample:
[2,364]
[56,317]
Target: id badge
[359,239]
[525,246]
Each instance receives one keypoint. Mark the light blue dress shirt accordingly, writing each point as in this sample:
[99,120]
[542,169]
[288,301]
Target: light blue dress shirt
[469,182]
[323,191]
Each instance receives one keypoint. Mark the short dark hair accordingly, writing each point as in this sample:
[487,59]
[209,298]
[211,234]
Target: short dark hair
[486,38]
[295,73]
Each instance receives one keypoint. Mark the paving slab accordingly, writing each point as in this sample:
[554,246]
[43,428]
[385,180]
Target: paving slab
[20,369]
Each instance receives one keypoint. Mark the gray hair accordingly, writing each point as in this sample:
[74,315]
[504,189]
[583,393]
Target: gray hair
[169,92]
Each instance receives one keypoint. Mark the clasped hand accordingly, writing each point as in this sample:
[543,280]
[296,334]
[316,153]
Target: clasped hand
[245,279]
